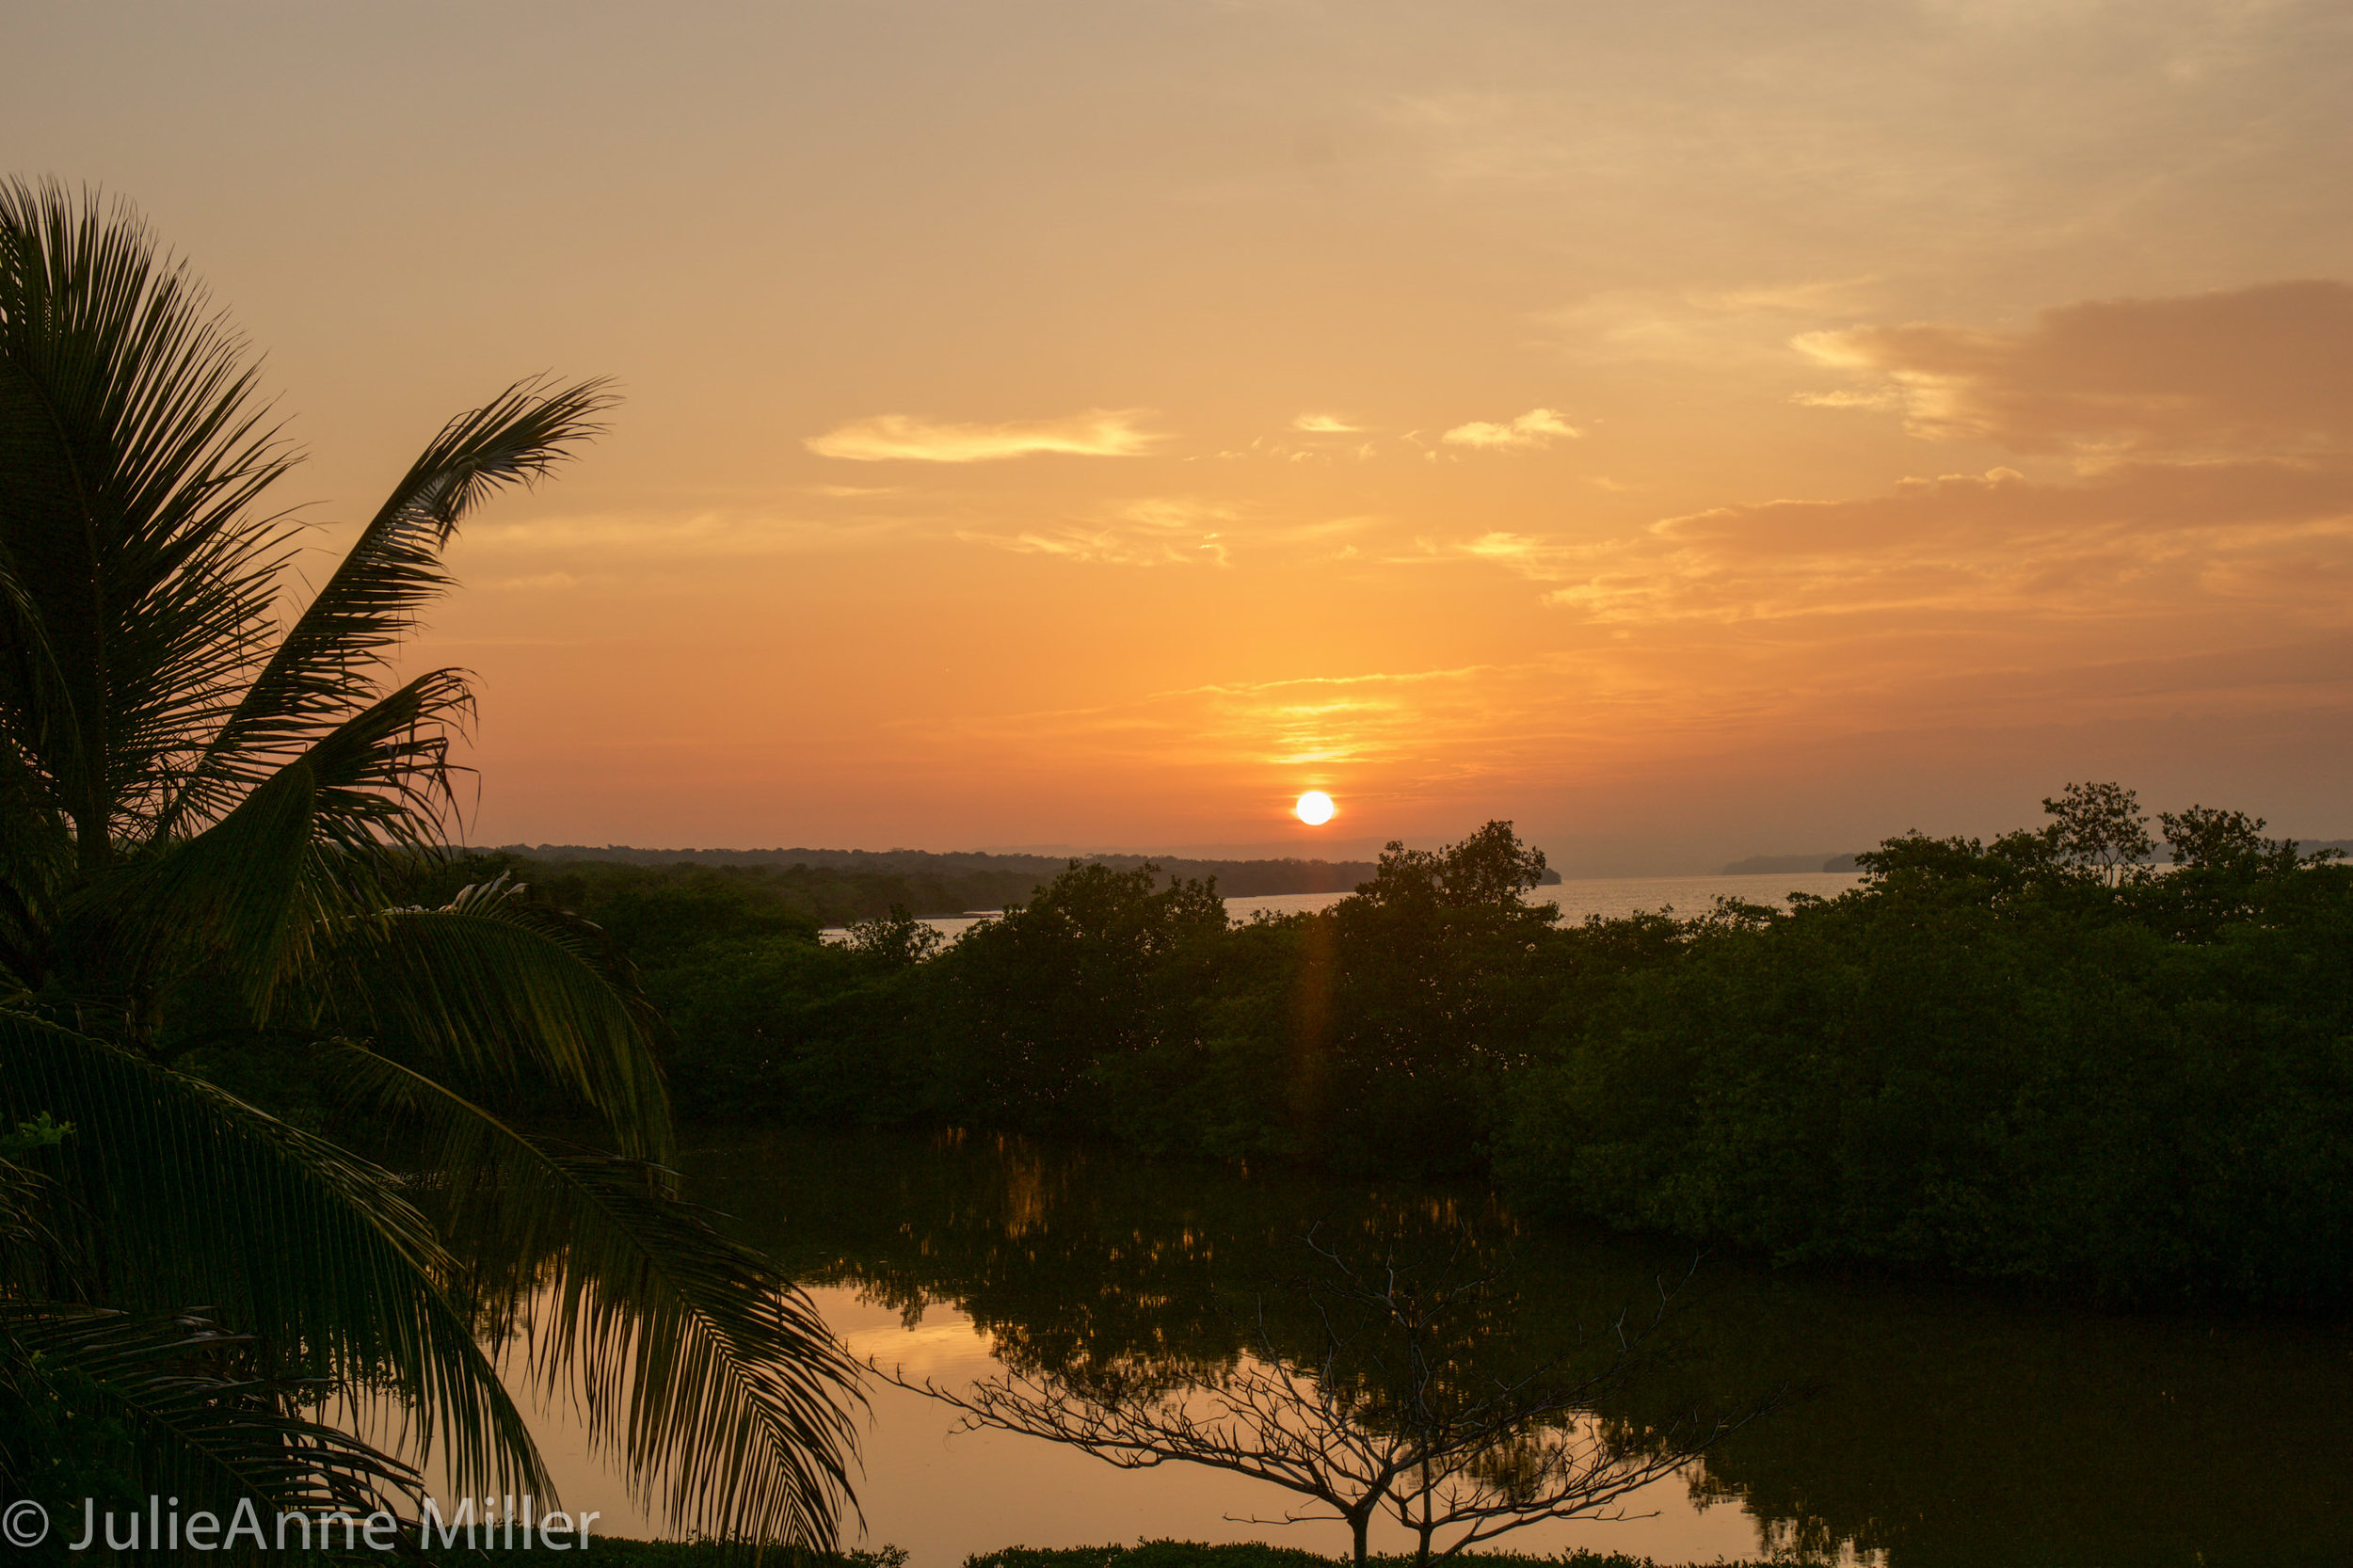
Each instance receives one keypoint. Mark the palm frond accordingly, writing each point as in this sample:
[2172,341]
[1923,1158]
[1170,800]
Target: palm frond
[36,864]
[201,1426]
[712,1376]
[505,998]
[244,895]
[255,890]
[384,772]
[188,1194]
[134,584]
[333,659]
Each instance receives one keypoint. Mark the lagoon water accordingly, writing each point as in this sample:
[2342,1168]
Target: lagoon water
[1929,1426]
[1609,897]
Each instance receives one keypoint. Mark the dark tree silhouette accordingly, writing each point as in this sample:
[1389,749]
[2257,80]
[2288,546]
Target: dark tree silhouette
[1381,1412]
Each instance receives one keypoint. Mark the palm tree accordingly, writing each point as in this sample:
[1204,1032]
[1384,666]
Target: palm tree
[206,804]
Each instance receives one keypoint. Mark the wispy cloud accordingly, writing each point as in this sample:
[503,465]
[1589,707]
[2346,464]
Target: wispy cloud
[2161,544]
[1504,547]
[1154,531]
[1535,428]
[637,538]
[1166,531]
[1448,724]
[2234,372]
[1323,424]
[887,437]
[1818,296]
[1877,397]
[1742,327]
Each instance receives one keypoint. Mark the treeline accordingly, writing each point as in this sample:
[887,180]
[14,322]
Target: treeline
[1758,865]
[924,869]
[657,907]
[708,896]
[2035,1059]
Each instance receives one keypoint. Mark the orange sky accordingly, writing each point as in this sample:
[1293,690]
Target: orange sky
[1691,429]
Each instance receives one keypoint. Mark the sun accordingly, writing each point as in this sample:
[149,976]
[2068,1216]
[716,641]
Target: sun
[1314,809]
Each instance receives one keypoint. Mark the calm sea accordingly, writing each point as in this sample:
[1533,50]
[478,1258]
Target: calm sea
[1609,897]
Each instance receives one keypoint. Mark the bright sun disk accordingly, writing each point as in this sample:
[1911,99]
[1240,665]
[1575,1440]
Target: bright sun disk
[1314,809]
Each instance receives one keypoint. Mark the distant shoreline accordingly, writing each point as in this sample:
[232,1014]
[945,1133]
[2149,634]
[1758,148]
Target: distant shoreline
[1234,878]
[1774,865]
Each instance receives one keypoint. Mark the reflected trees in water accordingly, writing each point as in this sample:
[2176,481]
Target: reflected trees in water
[1940,1427]
[1371,1390]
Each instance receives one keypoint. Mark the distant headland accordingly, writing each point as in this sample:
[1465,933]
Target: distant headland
[1234,878]
[1779,865]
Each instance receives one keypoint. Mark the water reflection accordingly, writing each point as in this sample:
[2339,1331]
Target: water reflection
[1373,1385]
[1943,1427]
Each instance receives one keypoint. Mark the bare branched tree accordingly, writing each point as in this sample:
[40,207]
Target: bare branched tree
[1382,1413]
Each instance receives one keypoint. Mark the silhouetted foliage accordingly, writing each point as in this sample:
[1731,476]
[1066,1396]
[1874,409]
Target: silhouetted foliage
[209,774]
[2042,1058]
[1015,875]
[2039,1059]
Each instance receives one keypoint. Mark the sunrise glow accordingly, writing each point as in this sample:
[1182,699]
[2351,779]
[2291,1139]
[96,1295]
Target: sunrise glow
[777,596]
[1668,436]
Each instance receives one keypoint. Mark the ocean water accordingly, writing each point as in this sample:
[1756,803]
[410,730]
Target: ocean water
[1609,897]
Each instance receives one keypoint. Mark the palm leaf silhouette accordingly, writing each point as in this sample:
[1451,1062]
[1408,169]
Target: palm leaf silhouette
[202,796]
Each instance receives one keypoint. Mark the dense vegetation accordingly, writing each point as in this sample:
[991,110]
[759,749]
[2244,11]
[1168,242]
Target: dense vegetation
[1252,1554]
[616,1552]
[2031,1059]
[2036,1059]
[835,887]
[824,895]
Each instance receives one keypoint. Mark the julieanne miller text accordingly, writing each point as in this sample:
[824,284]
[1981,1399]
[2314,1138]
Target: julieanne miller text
[161,1525]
